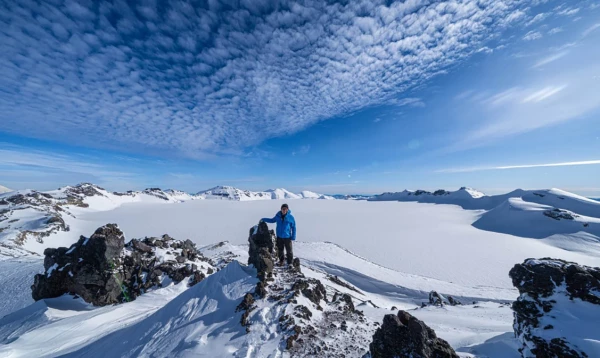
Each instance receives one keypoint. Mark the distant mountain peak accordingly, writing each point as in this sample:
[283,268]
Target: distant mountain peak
[4,189]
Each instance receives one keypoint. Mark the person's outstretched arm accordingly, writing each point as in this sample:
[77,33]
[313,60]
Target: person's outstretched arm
[293,225]
[271,221]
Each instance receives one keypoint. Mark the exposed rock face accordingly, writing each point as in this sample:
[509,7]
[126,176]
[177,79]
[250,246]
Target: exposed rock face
[103,270]
[260,253]
[549,289]
[558,214]
[403,335]
[436,299]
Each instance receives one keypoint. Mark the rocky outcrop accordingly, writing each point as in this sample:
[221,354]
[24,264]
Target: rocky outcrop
[552,294]
[558,214]
[403,335]
[103,270]
[310,324]
[260,251]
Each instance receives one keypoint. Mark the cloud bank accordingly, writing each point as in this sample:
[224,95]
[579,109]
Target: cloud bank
[214,77]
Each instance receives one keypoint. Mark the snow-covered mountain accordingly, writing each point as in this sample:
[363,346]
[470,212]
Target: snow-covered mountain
[231,193]
[28,217]
[562,219]
[351,197]
[307,194]
[464,197]
[4,189]
[281,193]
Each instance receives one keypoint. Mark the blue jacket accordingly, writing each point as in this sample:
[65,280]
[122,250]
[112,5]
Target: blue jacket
[286,227]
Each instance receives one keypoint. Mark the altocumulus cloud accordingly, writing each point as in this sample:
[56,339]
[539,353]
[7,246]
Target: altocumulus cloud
[203,78]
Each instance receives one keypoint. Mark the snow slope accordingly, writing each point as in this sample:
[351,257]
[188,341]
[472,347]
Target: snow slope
[464,197]
[393,253]
[281,193]
[16,275]
[414,238]
[306,194]
[4,189]
[29,218]
[231,193]
[564,200]
[202,320]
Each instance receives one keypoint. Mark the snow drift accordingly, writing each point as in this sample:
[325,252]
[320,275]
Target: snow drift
[200,320]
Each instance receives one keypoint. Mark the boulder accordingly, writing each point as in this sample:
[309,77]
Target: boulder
[436,299]
[403,335]
[553,293]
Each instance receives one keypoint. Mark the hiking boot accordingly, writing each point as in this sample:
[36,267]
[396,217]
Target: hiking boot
[280,264]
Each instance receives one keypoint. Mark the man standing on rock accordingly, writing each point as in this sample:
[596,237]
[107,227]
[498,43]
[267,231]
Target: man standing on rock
[286,233]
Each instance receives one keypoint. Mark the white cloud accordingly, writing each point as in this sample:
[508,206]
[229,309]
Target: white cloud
[476,169]
[532,35]
[568,12]
[555,30]
[591,29]
[537,18]
[550,99]
[410,101]
[25,168]
[199,81]
[543,94]
[23,158]
[550,59]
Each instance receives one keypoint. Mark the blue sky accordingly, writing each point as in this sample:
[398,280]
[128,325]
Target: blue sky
[336,97]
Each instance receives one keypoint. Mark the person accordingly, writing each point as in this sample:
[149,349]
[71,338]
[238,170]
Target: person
[286,233]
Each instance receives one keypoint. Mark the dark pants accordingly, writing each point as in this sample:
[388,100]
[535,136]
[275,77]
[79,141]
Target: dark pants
[287,245]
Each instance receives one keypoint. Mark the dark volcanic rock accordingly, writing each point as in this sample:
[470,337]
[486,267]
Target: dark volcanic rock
[436,299]
[344,301]
[548,287]
[403,335]
[296,264]
[261,250]
[310,288]
[246,303]
[93,259]
[103,270]
[558,214]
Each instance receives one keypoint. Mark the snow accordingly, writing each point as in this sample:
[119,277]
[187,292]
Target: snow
[281,193]
[393,251]
[306,194]
[422,239]
[561,199]
[167,322]
[231,193]
[175,321]
[4,189]
[17,276]
[51,269]
[573,320]
[464,197]
[526,218]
